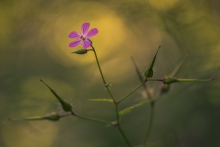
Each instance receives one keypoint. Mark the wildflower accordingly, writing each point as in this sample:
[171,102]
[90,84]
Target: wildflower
[83,37]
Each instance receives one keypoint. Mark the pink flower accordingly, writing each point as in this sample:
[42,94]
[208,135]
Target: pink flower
[83,37]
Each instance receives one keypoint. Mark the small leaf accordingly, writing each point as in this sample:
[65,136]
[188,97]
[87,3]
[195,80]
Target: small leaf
[102,100]
[129,109]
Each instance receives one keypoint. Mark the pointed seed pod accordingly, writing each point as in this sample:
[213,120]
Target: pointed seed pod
[52,117]
[66,106]
[149,72]
[166,87]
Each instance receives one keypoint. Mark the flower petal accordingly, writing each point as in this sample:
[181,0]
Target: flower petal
[86,43]
[92,32]
[75,43]
[85,28]
[74,34]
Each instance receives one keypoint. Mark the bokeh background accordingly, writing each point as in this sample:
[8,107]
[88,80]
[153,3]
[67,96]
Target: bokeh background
[34,45]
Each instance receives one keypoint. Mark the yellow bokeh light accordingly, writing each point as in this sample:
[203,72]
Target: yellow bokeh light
[110,26]
[163,5]
[37,134]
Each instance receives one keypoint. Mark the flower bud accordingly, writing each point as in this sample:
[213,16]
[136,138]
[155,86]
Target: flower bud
[81,51]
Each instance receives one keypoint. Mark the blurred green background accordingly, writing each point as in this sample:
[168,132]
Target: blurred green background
[34,45]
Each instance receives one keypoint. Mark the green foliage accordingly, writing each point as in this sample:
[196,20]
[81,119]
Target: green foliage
[129,109]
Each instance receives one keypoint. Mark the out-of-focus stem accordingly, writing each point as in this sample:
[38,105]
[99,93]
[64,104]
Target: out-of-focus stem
[123,134]
[150,124]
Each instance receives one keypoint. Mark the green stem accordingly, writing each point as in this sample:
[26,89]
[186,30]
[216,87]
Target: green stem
[100,70]
[117,113]
[110,93]
[97,61]
[155,79]
[150,124]
[123,134]
[92,119]
[152,104]
[131,92]
[116,103]
[147,91]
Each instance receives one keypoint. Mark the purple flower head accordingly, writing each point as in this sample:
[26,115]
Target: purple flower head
[83,37]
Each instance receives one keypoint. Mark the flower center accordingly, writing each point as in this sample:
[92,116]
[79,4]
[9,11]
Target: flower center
[83,38]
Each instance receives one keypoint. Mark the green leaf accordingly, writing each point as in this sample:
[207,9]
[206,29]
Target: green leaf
[129,109]
[102,100]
